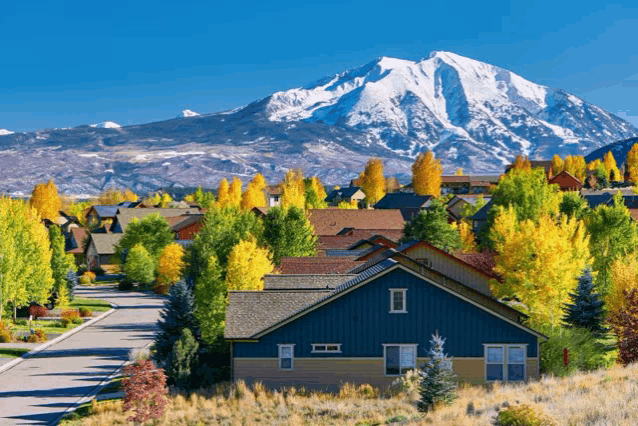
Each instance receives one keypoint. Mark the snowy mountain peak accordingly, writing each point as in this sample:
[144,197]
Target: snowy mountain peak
[188,113]
[5,132]
[106,125]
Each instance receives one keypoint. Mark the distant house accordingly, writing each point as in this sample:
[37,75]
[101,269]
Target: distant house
[479,219]
[459,203]
[566,181]
[408,203]
[455,185]
[348,195]
[100,249]
[373,326]
[273,195]
[185,227]
[74,243]
[125,216]
[97,215]
[346,239]
[335,221]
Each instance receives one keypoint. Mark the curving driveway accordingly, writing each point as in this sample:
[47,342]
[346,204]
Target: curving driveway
[38,390]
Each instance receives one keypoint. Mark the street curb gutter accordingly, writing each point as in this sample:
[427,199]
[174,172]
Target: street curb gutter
[86,398]
[58,339]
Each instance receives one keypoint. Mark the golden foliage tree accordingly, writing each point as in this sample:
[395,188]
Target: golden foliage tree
[594,164]
[373,180]
[632,163]
[170,264]
[539,262]
[467,237]
[426,174]
[247,265]
[254,195]
[46,201]
[522,163]
[234,193]
[392,185]
[115,196]
[580,167]
[612,167]
[222,193]
[165,200]
[352,205]
[558,165]
[459,172]
[293,190]
[624,277]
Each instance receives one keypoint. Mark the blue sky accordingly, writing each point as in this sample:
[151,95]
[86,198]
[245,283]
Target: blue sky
[67,63]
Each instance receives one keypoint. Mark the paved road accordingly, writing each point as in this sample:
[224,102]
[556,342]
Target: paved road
[38,390]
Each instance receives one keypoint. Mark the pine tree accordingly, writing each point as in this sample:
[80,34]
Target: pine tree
[586,309]
[182,360]
[71,283]
[178,314]
[437,378]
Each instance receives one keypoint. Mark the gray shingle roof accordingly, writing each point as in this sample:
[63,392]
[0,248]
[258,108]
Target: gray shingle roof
[105,243]
[125,216]
[347,253]
[398,200]
[342,193]
[304,282]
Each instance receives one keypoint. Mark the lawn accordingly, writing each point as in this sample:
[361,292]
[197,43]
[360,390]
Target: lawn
[46,325]
[12,352]
[95,305]
[603,397]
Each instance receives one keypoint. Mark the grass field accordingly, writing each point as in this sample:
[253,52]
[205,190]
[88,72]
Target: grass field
[604,397]
[94,304]
[12,352]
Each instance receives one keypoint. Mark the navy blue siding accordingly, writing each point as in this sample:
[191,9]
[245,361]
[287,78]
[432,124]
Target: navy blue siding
[361,322]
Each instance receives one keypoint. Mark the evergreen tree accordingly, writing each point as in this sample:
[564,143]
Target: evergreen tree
[178,314]
[431,225]
[437,384]
[586,309]
[71,283]
[182,360]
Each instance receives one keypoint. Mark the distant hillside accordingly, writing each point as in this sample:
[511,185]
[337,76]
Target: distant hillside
[619,150]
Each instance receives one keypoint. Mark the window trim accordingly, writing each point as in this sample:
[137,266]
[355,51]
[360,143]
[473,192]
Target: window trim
[292,358]
[326,350]
[416,357]
[405,300]
[505,364]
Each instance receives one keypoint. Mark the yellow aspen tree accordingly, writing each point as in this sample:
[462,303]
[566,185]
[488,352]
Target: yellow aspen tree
[467,237]
[580,167]
[459,172]
[170,264]
[222,193]
[632,163]
[594,164]
[624,277]
[558,165]
[254,195]
[247,265]
[46,200]
[317,186]
[374,180]
[392,185]
[165,200]
[569,165]
[522,163]
[612,167]
[234,193]
[293,190]
[539,263]
[426,174]
[352,205]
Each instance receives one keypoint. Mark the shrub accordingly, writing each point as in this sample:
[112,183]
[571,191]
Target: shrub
[77,321]
[85,312]
[624,322]
[144,391]
[5,336]
[585,354]
[64,322]
[70,314]
[38,336]
[38,311]
[524,415]
[87,278]
[161,288]
[32,338]
[21,322]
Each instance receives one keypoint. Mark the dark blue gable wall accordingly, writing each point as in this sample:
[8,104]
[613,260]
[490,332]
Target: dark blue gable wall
[361,322]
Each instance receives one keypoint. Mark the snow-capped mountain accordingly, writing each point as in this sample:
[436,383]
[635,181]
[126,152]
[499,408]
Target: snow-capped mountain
[106,125]
[473,115]
[5,132]
[188,113]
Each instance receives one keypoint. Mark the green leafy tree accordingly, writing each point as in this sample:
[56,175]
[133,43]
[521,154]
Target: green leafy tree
[614,234]
[573,205]
[289,233]
[437,378]
[139,266]
[61,262]
[153,232]
[182,361]
[431,225]
[470,209]
[210,299]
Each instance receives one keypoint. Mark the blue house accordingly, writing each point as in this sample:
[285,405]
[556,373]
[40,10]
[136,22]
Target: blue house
[320,331]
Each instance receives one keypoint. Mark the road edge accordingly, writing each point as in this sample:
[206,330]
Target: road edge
[36,350]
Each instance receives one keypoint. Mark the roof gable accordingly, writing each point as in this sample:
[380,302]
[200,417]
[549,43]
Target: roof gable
[332,221]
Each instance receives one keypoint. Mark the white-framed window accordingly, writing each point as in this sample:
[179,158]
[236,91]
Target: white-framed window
[326,348]
[398,359]
[398,303]
[286,356]
[505,362]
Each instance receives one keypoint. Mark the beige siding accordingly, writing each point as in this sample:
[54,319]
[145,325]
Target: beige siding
[330,373]
[455,270]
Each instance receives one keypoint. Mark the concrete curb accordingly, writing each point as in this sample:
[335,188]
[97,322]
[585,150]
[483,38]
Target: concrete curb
[86,398]
[58,339]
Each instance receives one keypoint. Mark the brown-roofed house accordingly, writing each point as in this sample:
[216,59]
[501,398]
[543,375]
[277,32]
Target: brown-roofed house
[566,181]
[334,221]
[342,241]
[125,216]
[317,265]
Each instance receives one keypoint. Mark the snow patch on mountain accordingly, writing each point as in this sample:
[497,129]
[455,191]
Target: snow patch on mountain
[188,113]
[5,132]
[106,125]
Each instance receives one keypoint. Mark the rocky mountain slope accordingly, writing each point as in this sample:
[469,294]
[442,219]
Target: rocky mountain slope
[472,114]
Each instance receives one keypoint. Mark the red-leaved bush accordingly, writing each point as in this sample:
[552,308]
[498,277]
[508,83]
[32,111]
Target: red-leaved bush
[38,311]
[624,323]
[70,314]
[144,390]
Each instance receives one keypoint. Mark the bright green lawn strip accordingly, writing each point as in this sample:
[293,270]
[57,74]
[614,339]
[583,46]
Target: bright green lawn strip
[93,304]
[12,352]
[48,327]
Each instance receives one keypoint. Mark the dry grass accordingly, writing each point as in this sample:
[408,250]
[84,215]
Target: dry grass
[605,397]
